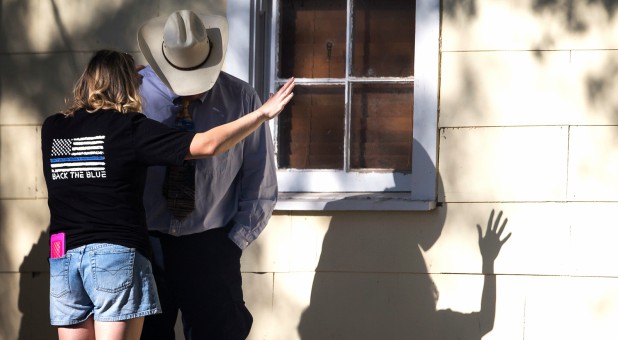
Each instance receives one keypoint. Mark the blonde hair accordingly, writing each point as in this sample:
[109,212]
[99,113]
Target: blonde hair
[109,82]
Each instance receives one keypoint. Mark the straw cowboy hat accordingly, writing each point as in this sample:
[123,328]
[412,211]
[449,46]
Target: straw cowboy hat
[186,50]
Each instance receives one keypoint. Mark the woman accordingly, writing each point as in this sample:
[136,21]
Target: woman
[95,156]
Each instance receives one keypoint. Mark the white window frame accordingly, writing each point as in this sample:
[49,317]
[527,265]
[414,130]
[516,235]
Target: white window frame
[368,190]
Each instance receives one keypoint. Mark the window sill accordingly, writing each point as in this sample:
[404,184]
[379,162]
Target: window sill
[383,201]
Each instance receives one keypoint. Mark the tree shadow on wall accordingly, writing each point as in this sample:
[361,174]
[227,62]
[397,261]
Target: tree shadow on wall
[39,68]
[565,8]
[575,20]
[33,299]
[453,8]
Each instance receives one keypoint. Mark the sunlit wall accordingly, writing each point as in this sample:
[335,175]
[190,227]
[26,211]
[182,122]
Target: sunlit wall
[528,124]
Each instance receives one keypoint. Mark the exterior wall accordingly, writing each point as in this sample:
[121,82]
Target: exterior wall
[527,126]
[527,121]
[44,45]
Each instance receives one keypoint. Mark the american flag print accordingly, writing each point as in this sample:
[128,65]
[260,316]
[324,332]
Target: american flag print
[82,157]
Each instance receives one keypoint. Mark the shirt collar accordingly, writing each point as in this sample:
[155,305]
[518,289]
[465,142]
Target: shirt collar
[201,98]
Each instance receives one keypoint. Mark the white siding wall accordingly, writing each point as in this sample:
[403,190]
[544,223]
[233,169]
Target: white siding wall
[527,125]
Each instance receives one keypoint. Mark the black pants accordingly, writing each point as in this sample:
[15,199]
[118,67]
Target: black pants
[200,275]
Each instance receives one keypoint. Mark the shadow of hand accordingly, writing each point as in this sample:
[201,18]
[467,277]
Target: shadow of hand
[491,243]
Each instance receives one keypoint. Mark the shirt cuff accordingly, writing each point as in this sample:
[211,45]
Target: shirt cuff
[238,236]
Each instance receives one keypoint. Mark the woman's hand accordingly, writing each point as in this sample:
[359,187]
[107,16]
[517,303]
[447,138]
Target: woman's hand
[275,104]
[221,138]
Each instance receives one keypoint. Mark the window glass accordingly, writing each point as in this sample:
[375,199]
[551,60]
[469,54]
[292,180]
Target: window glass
[383,38]
[381,125]
[312,38]
[350,113]
[311,129]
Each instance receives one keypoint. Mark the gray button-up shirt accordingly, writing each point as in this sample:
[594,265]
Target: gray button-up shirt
[239,185]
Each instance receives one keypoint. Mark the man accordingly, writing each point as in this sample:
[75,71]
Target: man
[197,250]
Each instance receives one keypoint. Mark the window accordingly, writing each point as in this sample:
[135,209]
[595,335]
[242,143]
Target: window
[363,122]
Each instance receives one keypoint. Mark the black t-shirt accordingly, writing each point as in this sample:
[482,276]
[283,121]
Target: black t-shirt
[95,169]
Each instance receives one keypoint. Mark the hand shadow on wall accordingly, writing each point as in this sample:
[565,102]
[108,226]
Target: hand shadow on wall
[473,326]
[33,301]
[372,281]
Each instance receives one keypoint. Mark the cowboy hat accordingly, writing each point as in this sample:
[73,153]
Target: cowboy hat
[186,50]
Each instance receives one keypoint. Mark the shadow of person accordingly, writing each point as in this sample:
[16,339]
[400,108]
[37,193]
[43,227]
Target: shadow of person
[33,300]
[370,284]
[371,281]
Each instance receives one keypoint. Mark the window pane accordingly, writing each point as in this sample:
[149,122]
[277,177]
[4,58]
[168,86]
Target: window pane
[381,130]
[383,38]
[311,129]
[312,39]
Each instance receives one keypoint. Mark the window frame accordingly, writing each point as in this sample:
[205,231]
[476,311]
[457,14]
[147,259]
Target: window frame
[371,190]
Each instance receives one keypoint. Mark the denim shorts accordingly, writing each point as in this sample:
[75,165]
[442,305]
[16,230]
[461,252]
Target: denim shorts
[109,281]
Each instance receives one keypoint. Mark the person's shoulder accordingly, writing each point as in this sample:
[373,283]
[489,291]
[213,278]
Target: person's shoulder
[229,81]
[113,120]
[54,116]
[147,71]
[131,116]
[150,77]
[55,119]
[113,117]
[152,85]
[108,113]
[139,119]
[134,114]
[226,77]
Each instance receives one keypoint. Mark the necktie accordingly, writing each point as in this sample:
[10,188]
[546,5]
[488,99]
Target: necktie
[179,187]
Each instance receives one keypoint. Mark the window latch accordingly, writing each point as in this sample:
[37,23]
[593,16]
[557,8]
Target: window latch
[329,49]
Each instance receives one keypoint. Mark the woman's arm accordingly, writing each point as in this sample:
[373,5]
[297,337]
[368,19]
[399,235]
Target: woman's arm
[221,138]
